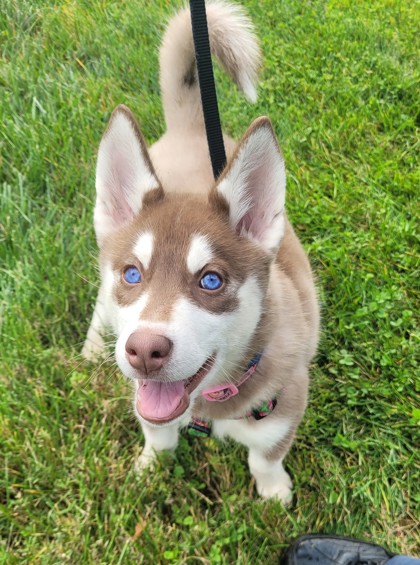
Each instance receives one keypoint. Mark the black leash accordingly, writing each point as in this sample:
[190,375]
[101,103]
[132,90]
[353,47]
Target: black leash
[207,86]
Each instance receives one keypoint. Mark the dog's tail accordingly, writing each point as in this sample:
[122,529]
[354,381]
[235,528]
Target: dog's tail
[232,41]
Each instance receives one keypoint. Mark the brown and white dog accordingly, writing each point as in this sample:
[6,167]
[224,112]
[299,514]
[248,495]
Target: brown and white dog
[205,284]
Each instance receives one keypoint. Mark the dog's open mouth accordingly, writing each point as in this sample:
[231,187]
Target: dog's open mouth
[161,402]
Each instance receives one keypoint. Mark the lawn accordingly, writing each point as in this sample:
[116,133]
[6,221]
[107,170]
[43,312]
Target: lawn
[341,86]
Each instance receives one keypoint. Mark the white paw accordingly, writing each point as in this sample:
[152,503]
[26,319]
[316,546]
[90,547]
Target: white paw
[144,461]
[93,349]
[280,489]
[271,478]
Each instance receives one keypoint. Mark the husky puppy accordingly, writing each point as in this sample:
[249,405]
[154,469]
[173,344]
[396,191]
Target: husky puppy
[205,284]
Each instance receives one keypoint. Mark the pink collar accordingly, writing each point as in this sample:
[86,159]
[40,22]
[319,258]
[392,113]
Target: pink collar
[221,393]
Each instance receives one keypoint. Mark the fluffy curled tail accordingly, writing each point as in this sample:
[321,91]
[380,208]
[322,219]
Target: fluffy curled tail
[232,41]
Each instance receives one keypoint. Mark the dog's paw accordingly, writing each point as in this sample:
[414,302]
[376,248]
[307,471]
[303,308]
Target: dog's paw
[93,349]
[280,489]
[144,461]
[271,478]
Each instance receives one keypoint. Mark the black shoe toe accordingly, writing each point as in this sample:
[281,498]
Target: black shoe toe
[333,550]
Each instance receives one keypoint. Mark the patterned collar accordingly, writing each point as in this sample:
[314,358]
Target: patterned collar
[202,428]
[221,393]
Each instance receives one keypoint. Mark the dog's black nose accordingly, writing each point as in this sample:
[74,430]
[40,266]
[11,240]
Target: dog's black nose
[147,352]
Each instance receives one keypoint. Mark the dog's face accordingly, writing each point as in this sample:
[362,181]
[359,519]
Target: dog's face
[185,277]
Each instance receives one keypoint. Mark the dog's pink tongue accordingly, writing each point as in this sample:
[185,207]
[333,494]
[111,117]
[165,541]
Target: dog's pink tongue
[157,400]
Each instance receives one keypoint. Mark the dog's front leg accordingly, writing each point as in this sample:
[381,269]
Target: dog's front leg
[156,439]
[94,345]
[268,441]
[271,478]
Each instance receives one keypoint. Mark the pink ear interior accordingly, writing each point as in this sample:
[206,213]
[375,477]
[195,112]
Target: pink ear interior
[254,186]
[257,219]
[124,173]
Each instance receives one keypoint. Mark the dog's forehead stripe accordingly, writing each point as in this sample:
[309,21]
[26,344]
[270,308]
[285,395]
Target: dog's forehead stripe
[200,253]
[143,248]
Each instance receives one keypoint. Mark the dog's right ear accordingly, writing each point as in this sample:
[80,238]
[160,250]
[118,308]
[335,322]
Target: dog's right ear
[124,174]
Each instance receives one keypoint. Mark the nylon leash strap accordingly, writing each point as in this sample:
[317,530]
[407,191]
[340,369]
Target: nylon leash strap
[207,86]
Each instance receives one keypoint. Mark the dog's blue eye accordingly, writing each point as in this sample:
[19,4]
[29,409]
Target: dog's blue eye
[132,275]
[211,281]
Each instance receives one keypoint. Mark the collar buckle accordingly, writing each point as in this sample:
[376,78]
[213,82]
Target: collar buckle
[220,393]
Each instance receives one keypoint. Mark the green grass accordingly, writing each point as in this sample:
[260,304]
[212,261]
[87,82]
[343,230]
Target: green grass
[340,85]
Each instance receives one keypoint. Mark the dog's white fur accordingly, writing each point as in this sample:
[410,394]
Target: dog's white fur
[236,228]
[199,254]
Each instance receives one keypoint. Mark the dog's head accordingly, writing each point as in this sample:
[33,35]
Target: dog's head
[185,277]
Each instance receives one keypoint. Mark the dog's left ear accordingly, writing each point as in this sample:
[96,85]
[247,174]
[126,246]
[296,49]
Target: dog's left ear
[125,178]
[252,188]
